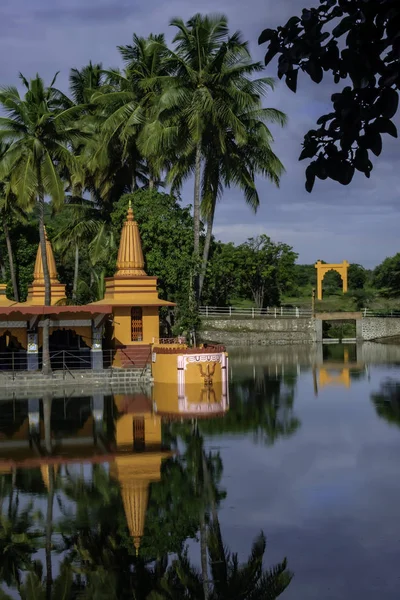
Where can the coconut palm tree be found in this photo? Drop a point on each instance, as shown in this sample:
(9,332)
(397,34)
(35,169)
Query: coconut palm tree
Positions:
(40,131)
(228,163)
(210,94)
(83,225)
(9,208)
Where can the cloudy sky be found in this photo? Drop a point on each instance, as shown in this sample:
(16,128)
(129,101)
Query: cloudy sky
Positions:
(358,223)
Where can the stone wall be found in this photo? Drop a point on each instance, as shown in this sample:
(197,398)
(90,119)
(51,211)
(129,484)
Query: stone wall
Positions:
(374,328)
(258,331)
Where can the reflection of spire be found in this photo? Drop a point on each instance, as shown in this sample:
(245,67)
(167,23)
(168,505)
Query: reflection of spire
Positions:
(135,496)
(135,473)
(130,260)
(45,471)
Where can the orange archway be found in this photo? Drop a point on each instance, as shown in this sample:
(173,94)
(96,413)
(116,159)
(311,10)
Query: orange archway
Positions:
(323,268)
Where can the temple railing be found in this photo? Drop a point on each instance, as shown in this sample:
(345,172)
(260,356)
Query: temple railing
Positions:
(170,341)
(67,361)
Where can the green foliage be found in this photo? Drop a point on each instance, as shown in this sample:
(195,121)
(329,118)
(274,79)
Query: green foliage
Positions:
(259,270)
(386,277)
(266,269)
(367,56)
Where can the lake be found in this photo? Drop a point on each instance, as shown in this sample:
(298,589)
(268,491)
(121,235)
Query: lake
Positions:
(106,496)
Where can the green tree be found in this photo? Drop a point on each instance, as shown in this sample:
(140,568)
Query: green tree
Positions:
(367,57)
(222,281)
(40,132)
(215,102)
(357,277)
(9,209)
(386,276)
(266,270)
(228,162)
(83,224)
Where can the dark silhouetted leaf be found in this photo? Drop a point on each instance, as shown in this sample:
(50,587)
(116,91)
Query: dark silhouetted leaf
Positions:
(385,126)
(345,25)
(310,177)
(266,36)
(291,80)
(389,102)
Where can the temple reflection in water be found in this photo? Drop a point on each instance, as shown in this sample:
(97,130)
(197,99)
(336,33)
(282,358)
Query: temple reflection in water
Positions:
(124,431)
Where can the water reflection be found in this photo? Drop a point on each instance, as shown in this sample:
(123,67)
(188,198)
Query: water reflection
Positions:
(387,401)
(99,496)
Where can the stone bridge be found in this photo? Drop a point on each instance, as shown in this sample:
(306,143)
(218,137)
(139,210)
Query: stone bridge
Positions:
(299,330)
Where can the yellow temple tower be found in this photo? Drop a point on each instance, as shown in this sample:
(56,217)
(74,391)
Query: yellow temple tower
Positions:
(36,291)
(134,298)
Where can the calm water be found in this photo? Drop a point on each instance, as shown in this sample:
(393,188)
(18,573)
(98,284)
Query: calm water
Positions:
(113,498)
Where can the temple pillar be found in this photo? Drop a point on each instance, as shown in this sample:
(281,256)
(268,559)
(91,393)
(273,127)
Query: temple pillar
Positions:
(33,351)
(97,348)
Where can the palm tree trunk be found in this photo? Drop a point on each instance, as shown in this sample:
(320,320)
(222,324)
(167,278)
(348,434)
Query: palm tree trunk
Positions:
(196,200)
(76,273)
(203,556)
(11,261)
(206,249)
(3,270)
(49,531)
(196,218)
(46,365)
(47,401)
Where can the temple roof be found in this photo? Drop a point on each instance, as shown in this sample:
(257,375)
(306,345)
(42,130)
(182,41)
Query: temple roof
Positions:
(130,285)
(21,309)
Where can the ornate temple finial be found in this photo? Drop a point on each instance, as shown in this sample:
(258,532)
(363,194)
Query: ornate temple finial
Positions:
(130,211)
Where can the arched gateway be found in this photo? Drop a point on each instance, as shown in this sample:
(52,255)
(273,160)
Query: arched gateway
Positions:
(323,268)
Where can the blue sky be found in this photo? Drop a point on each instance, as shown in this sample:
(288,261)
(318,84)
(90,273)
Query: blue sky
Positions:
(358,223)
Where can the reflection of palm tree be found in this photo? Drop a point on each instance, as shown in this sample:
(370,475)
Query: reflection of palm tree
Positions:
(17,543)
(227,578)
(387,401)
(247,581)
(260,405)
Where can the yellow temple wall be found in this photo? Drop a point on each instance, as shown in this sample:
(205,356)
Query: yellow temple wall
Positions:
(17,332)
(123,325)
(124,429)
(165,369)
(166,397)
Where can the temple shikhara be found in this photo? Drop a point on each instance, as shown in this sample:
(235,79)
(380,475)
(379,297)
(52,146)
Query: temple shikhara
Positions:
(121,331)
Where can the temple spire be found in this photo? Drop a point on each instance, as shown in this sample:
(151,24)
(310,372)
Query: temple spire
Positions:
(38,275)
(130,260)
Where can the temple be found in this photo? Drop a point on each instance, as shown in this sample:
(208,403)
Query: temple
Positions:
(120,331)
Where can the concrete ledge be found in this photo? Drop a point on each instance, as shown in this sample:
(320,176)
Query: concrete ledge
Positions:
(111,377)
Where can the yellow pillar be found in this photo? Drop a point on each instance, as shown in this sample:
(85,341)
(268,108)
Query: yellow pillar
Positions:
(319,279)
(344,276)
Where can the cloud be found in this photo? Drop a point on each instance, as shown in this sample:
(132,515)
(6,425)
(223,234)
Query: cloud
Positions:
(334,221)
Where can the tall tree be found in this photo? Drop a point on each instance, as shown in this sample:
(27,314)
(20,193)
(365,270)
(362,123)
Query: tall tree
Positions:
(40,131)
(228,163)
(210,98)
(368,58)
(82,226)
(9,208)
